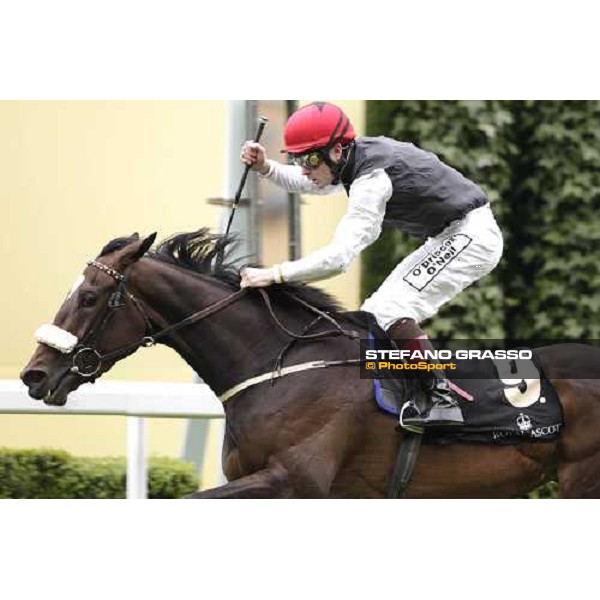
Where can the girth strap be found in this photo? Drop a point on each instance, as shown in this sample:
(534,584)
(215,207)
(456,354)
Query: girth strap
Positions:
(272,375)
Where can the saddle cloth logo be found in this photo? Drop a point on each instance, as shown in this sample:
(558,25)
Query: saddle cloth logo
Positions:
(423,272)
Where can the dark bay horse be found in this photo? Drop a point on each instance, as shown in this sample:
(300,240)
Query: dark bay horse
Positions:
(311,434)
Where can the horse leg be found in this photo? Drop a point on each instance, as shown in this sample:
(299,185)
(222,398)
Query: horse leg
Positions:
(579,451)
(271,482)
(578,458)
(580,479)
(304,469)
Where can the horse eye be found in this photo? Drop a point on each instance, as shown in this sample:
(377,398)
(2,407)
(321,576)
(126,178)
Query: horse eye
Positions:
(88,300)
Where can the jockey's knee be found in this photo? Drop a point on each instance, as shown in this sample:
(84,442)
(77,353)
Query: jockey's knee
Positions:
(388,315)
(405,327)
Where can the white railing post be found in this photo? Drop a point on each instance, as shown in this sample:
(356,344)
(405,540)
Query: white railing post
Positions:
(219,434)
(137,476)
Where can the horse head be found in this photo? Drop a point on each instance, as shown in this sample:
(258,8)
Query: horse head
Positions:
(70,350)
(179,296)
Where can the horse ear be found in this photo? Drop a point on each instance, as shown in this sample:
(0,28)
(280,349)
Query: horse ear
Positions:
(135,236)
(136,250)
(145,246)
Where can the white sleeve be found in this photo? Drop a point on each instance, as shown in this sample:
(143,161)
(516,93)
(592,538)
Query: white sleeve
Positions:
(290,178)
(359,227)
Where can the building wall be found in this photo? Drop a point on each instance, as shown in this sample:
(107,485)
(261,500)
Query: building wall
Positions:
(77,174)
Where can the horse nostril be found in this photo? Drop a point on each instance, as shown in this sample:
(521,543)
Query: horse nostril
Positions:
(33,377)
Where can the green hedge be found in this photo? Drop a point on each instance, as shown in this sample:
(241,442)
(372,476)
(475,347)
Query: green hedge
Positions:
(546,491)
(554,288)
(57,474)
(539,162)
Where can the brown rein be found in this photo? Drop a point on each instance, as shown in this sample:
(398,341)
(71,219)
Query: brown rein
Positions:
(312,336)
(151,340)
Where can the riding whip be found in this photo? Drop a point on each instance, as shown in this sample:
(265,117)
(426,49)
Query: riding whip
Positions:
(262,122)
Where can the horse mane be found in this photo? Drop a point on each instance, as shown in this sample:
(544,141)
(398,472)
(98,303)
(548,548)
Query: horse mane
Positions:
(197,251)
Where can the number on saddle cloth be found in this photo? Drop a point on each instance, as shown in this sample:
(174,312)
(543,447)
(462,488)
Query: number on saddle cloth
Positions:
(521,380)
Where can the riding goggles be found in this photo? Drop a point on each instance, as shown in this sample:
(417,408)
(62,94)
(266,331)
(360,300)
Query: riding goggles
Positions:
(310,160)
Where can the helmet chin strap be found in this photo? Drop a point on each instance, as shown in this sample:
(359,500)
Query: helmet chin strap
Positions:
(337,168)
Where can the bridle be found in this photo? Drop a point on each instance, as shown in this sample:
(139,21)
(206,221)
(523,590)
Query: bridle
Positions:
(87,360)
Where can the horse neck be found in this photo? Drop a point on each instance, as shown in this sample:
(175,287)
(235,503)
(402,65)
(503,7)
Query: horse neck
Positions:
(228,346)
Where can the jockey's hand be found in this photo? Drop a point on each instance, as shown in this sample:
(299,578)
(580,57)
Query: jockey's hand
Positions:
(252,277)
(255,155)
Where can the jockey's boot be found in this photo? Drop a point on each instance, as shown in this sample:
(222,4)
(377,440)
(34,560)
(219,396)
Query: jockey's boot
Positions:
(440,407)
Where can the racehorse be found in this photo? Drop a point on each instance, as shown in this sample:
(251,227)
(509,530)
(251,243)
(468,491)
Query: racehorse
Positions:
(314,433)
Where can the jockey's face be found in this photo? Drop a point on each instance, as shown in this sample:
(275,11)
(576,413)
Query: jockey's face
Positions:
(322,175)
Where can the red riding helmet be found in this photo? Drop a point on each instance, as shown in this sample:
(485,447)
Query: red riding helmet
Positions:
(317,125)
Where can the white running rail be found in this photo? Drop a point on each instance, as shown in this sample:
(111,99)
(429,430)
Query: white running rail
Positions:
(135,400)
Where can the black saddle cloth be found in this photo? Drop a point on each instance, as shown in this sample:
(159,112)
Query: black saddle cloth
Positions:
(504,413)
(510,410)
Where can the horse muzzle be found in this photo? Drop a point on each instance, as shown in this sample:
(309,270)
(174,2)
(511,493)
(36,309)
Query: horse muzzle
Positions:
(48,378)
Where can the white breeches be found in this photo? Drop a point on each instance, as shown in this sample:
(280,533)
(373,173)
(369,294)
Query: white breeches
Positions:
(439,270)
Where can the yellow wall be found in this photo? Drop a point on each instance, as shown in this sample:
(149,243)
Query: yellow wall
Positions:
(77,174)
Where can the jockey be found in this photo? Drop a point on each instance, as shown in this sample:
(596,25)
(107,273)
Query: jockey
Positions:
(399,185)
